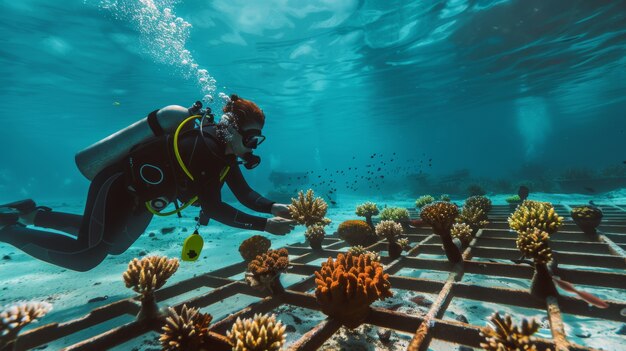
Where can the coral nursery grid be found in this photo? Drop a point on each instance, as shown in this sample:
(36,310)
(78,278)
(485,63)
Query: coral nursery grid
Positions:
(489,254)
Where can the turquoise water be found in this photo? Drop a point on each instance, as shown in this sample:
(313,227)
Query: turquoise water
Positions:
(502,89)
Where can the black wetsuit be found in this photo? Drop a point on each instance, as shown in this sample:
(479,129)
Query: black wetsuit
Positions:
(114,218)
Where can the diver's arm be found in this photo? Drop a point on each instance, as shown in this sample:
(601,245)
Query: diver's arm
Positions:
(211,201)
(248,197)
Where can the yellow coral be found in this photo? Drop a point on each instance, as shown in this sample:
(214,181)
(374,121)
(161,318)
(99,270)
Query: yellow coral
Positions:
(150,273)
(440,215)
(254,246)
(266,267)
(389,229)
(404,243)
(187,330)
(533,243)
(586,212)
(15,317)
(462,232)
(356,232)
(360,250)
(502,335)
(473,216)
(534,214)
(261,333)
(367,209)
(588,218)
(307,210)
(394,214)
(348,285)
(315,232)
(423,201)
(479,201)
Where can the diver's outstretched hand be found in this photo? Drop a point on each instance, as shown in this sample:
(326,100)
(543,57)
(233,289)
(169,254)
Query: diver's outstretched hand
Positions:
(281,210)
(279,225)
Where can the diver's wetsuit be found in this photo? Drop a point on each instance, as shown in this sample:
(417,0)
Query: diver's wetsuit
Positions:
(114,218)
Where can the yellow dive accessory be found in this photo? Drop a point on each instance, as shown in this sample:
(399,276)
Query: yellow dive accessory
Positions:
(192,247)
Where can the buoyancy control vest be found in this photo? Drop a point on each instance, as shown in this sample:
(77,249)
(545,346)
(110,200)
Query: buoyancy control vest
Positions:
(147,148)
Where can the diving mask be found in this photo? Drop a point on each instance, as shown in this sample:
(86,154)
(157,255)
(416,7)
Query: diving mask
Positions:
(252,138)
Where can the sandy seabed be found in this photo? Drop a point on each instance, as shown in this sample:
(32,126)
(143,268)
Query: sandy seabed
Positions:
(25,278)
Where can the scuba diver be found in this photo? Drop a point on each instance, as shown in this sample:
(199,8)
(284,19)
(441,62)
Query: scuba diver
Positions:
(175,154)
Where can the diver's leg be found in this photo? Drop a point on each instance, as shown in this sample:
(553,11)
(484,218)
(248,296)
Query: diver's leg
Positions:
(64,250)
(65,222)
(58,249)
(126,219)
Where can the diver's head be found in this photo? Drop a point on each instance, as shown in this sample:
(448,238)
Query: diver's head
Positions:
(241,127)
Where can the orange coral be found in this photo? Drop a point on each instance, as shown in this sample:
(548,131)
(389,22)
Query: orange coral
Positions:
(356,232)
(265,269)
(347,286)
(254,246)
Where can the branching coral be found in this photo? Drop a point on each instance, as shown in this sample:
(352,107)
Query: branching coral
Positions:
(188,330)
(423,201)
(586,212)
(360,250)
(502,335)
(14,318)
(348,285)
(473,216)
(356,232)
(404,244)
(307,210)
(481,202)
(462,231)
(261,333)
(534,214)
(440,215)
(264,270)
(367,210)
(396,214)
(149,273)
(315,235)
(254,246)
(533,243)
(587,218)
(389,230)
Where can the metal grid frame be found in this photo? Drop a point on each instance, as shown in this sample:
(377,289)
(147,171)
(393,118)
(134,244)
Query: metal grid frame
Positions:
(495,242)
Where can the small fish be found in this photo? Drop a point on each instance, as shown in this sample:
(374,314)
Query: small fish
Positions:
(589,189)
(116,103)
(624,162)
(591,299)
(98,299)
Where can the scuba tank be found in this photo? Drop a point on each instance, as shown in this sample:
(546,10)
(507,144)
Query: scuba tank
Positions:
(116,146)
